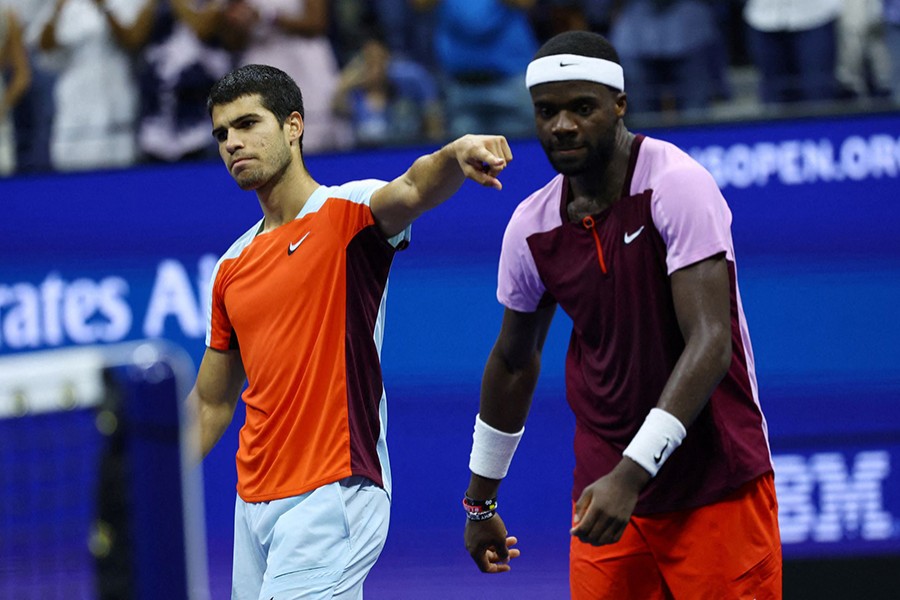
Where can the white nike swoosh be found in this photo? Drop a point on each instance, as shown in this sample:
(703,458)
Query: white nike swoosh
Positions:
(658,457)
(295,245)
(629,237)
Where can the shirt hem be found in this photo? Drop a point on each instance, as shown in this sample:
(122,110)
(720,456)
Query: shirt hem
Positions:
(281,494)
(706,500)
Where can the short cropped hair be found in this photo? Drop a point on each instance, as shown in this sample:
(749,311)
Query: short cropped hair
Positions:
(581,43)
(279,94)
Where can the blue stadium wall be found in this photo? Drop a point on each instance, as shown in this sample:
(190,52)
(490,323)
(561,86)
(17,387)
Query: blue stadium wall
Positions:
(112,256)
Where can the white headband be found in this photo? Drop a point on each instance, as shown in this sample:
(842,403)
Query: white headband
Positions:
(572,67)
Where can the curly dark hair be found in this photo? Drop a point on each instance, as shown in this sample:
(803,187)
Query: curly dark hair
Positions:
(279,94)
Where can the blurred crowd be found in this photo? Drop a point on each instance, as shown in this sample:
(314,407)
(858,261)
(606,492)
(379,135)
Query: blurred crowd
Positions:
(95,84)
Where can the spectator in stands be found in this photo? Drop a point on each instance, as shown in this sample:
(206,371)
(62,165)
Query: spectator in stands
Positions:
(96,93)
(292,35)
(726,16)
(408,32)
(599,14)
(793,44)
(33,115)
(180,63)
(13,59)
(863,60)
(482,48)
(550,17)
(664,48)
(892,37)
(388,99)
(347,27)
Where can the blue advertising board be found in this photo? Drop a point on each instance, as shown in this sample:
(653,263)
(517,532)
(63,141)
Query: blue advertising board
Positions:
(112,256)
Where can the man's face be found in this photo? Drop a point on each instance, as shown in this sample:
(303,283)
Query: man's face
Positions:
(253,144)
(576,124)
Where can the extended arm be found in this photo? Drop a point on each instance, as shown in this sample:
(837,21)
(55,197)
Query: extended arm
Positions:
(433,178)
(205,20)
(510,376)
(314,21)
(15,58)
(701,294)
(48,41)
(353,76)
(131,37)
(214,396)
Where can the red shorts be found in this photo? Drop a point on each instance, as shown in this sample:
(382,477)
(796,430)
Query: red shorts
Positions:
(730,549)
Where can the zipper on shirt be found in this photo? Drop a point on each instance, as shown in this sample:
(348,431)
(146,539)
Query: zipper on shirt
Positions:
(588,223)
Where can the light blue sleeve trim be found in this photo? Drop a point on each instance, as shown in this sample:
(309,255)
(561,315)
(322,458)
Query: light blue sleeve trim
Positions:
(361,191)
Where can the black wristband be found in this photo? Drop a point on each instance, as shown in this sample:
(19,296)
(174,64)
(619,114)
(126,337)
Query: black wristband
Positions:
(479,510)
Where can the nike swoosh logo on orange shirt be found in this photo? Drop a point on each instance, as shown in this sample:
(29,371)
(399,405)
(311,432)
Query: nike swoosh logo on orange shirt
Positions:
(294,245)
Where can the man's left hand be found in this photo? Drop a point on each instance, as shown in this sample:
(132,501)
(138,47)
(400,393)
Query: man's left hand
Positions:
(605,507)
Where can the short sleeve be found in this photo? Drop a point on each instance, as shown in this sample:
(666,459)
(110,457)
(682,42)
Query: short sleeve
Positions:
(360,193)
(519,286)
(219,332)
(691,216)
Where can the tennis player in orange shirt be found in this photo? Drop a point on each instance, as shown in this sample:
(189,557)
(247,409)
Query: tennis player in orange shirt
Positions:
(297,312)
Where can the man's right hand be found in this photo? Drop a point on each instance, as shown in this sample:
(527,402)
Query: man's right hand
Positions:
(482,157)
(489,545)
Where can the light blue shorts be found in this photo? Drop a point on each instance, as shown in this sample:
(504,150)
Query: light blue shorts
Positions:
(318,545)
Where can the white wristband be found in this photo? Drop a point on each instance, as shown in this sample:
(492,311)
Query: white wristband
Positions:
(492,450)
(655,441)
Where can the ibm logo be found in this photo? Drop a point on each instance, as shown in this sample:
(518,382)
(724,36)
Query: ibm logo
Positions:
(821,500)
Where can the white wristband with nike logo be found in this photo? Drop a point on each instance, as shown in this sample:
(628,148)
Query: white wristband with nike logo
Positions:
(655,441)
